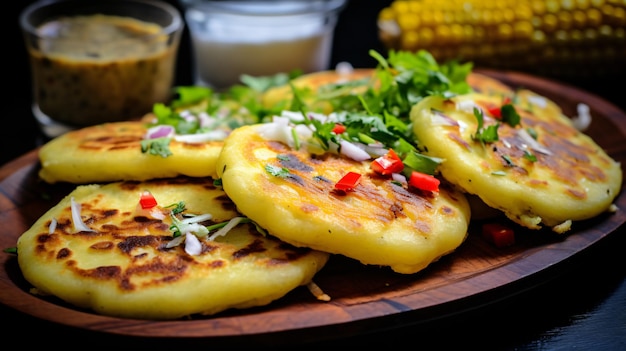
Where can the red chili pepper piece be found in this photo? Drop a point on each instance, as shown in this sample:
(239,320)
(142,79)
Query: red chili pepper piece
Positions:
(147,200)
(339,128)
(498,234)
(496,111)
(387,164)
(424,181)
(348,181)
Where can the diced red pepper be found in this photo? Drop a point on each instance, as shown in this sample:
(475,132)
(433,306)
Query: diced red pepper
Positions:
(387,164)
(424,181)
(339,128)
(348,181)
(498,234)
(147,200)
(496,111)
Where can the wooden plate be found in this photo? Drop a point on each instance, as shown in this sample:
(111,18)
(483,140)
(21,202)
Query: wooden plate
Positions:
(363,298)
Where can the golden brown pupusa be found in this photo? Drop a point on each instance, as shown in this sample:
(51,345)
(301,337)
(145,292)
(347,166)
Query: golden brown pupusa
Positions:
(121,265)
(112,152)
(541,172)
(378,223)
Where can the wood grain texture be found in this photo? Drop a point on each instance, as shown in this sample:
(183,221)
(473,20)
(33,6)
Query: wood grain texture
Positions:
(363,298)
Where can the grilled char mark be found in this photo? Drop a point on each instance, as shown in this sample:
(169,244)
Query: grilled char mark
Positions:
(315,173)
(569,161)
(130,243)
(226,203)
(110,137)
(292,162)
(288,252)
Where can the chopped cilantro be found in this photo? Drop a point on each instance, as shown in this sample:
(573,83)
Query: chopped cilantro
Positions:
(157,146)
(530,157)
(421,163)
(379,115)
(508,160)
(510,115)
(190,95)
(484,135)
(281,172)
(264,83)
(178,207)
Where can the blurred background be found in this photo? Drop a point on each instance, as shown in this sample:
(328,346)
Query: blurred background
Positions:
(577,42)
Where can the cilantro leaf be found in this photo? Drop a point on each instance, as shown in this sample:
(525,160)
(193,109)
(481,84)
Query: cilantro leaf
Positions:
(421,163)
(157,146)
(276,171)
(484,135)
(510,115)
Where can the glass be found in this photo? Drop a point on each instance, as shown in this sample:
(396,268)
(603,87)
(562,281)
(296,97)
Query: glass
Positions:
(99,61)
(259,38)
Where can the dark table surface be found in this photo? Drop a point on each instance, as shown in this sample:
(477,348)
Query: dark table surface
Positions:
(582,306)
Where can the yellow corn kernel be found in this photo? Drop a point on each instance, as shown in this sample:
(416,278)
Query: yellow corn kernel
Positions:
(562,36)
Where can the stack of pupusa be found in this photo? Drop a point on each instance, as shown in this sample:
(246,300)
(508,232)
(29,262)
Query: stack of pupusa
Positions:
(100,249)
(379,223)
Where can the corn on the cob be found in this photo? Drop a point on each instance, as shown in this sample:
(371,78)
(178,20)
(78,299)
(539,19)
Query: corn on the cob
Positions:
(570,38)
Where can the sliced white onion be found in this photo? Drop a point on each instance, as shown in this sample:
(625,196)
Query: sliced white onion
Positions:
(191,225)
(53,226)
(318,117)
(441,119)
(344,68)
(375,149)
(156,213)
(295,116)
(213,135)
(79,225)
(467,106)
(205,120)
(538,101)
(336,117)
(192,245)
(303,131)
(399,177)
(198,218)
(188,116)
(175,242)
(352,151)
(197,229)
(225,229)
(583,119)
(532,143)
(281,120)
(271,130)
